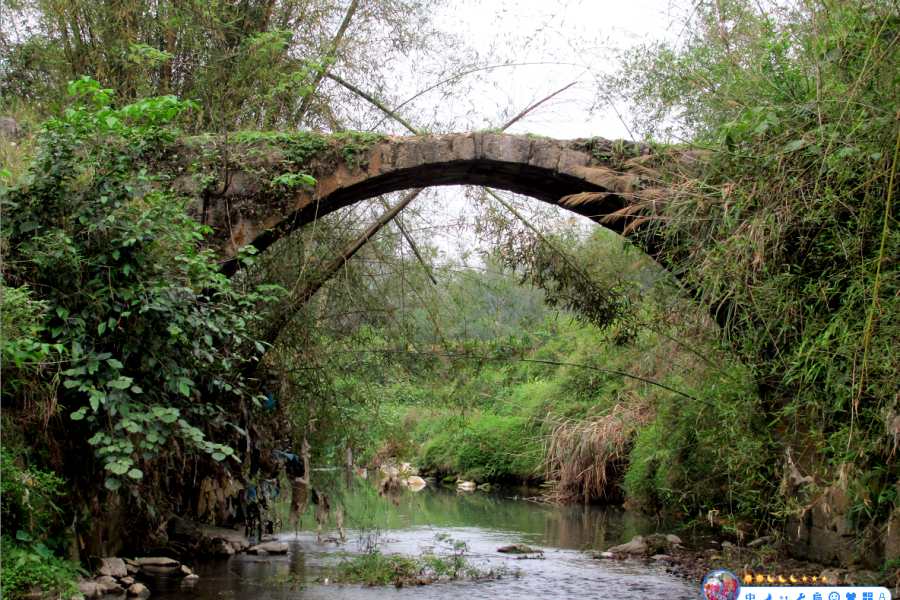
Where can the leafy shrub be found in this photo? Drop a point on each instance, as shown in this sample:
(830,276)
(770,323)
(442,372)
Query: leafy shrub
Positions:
(24,569)
(787,232)
(149,326)
(29,514)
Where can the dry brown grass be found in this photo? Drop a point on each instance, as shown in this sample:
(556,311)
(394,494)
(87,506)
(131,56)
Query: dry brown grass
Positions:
(588,458)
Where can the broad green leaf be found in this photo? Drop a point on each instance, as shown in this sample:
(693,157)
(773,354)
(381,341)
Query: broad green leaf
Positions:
(135,473)
(41,550)
(121,383)
(112,483)
(23,536)
(117,467)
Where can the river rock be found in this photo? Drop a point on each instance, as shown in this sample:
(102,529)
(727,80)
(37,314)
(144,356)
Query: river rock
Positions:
(763,541)
(673,539)
(831,576)
(113,567)
(413,480)
(518,549)
(656,543)
(862,577)
(91,589)
(221,548)
(604,555)
(660,557)
(186,570)
(9,128)
(110,585)
(270,548)
(465,485)
(158,561)
(38,593)
(637,545)
(138,590)
(132,570)
(127,581)
(207,539)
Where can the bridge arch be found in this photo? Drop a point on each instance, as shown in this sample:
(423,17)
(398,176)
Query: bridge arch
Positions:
(247,211)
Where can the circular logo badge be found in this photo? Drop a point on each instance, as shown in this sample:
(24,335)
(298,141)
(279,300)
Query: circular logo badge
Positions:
(721,585)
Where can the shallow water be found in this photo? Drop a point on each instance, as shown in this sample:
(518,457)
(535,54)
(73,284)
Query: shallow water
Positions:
(484,520)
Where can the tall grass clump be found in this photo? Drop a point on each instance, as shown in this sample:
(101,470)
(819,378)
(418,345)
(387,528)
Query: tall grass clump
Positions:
(787,233)
(588,458)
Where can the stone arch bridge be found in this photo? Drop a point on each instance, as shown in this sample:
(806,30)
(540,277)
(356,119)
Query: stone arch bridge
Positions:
(242,194)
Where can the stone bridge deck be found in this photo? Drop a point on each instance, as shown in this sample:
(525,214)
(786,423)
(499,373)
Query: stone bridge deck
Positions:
(238,199)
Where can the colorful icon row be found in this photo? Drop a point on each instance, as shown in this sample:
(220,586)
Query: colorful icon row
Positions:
(834,595)
(760,578)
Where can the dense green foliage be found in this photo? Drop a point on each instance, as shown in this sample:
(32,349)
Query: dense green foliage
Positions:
(790,234)
(145,328)
(258,64)
(778,381)
(29,512)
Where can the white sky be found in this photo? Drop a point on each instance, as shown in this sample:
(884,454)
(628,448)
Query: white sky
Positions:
(580,37)
(562,42)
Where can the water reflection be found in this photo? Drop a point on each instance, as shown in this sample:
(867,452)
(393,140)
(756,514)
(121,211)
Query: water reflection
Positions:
(485,520)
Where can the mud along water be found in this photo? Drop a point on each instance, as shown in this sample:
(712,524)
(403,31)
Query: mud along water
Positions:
(408,524)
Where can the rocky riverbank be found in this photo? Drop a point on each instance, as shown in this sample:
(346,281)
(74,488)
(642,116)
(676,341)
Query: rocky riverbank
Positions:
(115,576)
(764,561)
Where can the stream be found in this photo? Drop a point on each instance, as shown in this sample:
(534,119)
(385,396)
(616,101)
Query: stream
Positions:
(408,524)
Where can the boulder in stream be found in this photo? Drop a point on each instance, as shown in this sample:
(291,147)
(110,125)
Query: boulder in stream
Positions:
(208,539)
(113,567)
(519,549)
(656,543)
(637,545)
(270,548)
(158,561)
(138,590)
(90,589)
(110,585)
